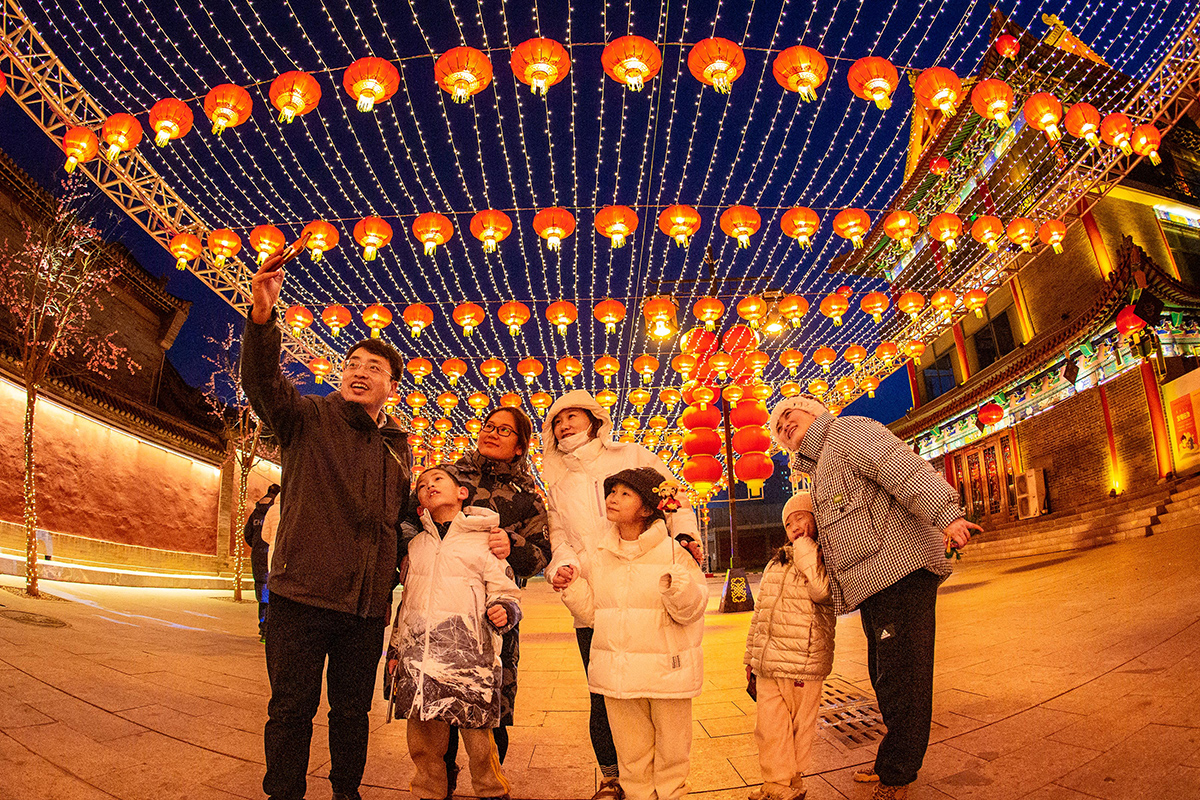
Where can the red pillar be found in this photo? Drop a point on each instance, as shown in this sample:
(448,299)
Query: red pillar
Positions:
(912,385)
(1112,441)
(1158,422)
(960,346)
(1103,260)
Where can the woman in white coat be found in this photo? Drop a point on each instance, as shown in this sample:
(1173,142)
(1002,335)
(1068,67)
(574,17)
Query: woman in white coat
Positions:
(578,454)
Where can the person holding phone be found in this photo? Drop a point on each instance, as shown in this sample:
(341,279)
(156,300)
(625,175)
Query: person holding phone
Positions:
(346,472)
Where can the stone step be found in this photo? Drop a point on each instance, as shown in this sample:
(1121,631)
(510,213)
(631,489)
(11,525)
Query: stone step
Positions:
(114,576)
(1048,524)
(1168,523)
(1077,532)
(1055,544)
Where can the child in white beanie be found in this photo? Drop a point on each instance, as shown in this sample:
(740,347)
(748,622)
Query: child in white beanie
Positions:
(790,647)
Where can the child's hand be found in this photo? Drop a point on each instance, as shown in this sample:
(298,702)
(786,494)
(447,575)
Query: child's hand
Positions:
(498,616)
(499,544)
(693,547)
(563,577)
(808,526)
(749,673)
(394,662)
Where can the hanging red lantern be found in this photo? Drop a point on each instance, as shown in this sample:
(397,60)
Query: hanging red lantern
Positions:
(631,60)
(468,315)
(1022,231)
(792,359)
(790,389)
(493,369)
(610,312)
(855,355)
(185,247)
(702,473)
(607,398)
(901,226)
(170,119)
(616,223)
(914,349)
(266,240)
(561,314)
(418,317)
(939,89)
(554,225)
(607,367)
(432,229)
(685,364)
(321,368)
(739,339)
(845,386)
(757,361)
(886,351)
(490,227)
(1043,112)
(753,469)
(669,397)
(708,310)
(800,223)
(294,94)
(660,316)
(944,301)
(793,308)
(372,233)
(224,245)
(478,401)
(717,63)
(121,133)
(699,342)
(322,237)
(336,317)
(462,72)
(802,70)
(80,145)
(541,401)
(454,368)
(1008,46)
(645,366)
(297,318)
(873,78)
(818,387)
(752,309)
(569,368)
(376,317)
(852,224)
(1129,323)
(371,81)
(975,300)
(1053,232)
(990,413)
(911,303)
(1145,141)
(227,106)
(1083,122)
(751,439)
(946,228)
(540,63)
(825,357)
(740,222)
(514,314)
(1116,130)
(993,99)
(987,230)
(939,165)
(834,306)
(529,369)
(419,368)
(875,304)
(720,363)
(869,384)
(679,222)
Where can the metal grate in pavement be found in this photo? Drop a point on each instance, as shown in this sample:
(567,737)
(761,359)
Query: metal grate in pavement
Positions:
(848,716)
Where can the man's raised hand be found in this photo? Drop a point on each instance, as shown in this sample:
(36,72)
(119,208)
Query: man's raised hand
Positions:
(268,280)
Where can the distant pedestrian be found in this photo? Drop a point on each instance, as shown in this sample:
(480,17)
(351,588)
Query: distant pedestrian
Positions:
(260,548)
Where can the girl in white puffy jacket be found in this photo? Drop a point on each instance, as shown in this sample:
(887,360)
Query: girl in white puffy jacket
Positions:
(789,653)
(645,596)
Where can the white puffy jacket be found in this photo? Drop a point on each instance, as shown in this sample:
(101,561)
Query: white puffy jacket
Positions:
(648,611)
(575,484)
(791,632)
(448,650)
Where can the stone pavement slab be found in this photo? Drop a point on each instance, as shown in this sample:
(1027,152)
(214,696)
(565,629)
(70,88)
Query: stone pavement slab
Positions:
(1057,678)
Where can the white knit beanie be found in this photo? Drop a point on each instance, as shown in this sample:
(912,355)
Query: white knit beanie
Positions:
(801,402)
(800,501)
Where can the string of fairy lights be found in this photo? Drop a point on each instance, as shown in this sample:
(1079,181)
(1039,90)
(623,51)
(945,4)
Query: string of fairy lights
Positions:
(585,143)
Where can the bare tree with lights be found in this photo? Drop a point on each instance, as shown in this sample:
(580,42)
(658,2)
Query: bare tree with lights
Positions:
(243,431)
(52,283)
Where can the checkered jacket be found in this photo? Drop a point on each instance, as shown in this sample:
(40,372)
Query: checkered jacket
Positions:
(880,508)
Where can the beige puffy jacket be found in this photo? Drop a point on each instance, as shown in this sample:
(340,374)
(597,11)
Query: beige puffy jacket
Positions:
(791,633)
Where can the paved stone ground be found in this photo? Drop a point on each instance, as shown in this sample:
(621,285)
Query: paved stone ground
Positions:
(1067,676)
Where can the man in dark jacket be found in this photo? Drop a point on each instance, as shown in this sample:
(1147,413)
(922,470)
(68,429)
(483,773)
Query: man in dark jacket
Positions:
(260,550)
(346,470)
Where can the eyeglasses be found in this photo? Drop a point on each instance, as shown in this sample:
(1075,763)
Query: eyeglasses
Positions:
(374,369)
(503,431)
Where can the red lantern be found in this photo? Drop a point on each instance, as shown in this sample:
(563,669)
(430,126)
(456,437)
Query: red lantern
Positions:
(372,233)
(660,316)
(322,237)
(699,342)
(561,314)
(478,401)
(800,223)
(944,300)
(855,355)
(990,413)
(1021,231)
(852,224)
(740,222)
(185,247)
(708,310)
(224,244)
(616,223)
(1054,233)
(702,442)
(454,368)
(371,81)
(914,349)
(321,368)
(1129,323)
(541,401)
(946,228)
(462,72)
(721,363)
(685,365)
(297,318)
(418,317)
(818,387)
(939,165)
(121,133)
(1083,122)
(530,369)
(702,472)
(753,469)
(793,308)
(645,366)
(514,314)
(227,106)
(490,227)
(432,229)
(825,357)
(607,367)
(987,230)
(170,119)
(569,368)
(1145,141)
(939,89)
(792,359)
(679,222)
(993,99)
(875,304)
(294,94)
(266,240)
(739,339)
(800,69)
(873,78)
(540,63)
(336,317)
(886,351)
(493,369)
(610,312)
(752,309)
(717,63)
(1043,112)
(469,316)
(901,226)
(975,300)
(669,397)
(419,368)
(790,389)
(80,145)
(757,361)
(748,412)
(751,439)
(845,386)
(631,60)
(701,415)
(1116,130)
(1008,46)
(834,306)
(376,317)
(911,303)
(554,225)
(869,384)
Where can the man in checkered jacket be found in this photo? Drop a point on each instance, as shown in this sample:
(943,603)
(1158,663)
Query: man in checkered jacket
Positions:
(885,520)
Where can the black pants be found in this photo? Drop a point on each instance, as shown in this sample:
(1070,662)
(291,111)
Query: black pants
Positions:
(899,624)
(299,639)
(602,741)
(260,594)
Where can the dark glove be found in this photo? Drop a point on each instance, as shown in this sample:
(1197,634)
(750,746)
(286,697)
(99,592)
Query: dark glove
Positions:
(752,688)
